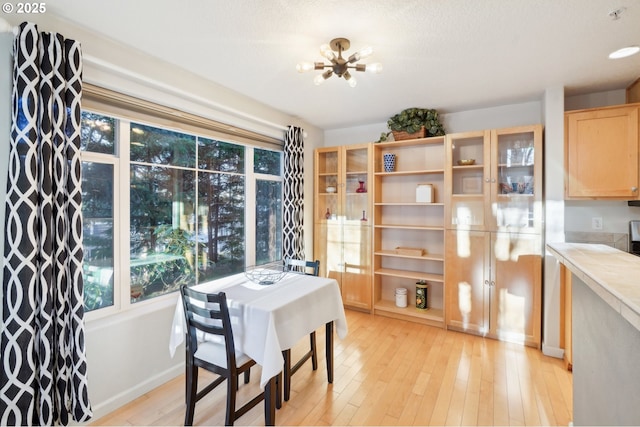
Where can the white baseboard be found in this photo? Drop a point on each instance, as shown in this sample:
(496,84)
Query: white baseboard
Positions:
(556,352)
(100,409)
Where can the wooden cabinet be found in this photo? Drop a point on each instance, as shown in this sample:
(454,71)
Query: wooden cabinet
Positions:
(601,153)
(342,229)
(493,183)
(468,254)
(494,284)
(502,188)
(408,243)
(566,341)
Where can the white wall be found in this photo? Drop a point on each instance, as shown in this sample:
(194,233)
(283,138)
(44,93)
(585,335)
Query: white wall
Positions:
(554,217)
(527,113)
(128,353)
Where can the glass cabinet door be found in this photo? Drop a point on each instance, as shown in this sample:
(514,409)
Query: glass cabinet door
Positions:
(327,183)
(470,169)
(357,182)
(517,186)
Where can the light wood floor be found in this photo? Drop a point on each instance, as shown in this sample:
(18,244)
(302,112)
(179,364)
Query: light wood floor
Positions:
(392,372)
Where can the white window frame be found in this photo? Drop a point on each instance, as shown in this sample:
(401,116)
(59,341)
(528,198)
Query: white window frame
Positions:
(121,221)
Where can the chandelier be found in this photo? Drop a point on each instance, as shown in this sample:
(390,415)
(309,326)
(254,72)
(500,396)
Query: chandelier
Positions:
(339,65)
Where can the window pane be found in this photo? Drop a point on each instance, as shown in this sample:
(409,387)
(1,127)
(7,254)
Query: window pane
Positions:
(97,133)
(221,225)
(220,156)
(161,146)
(265,161)
(268,221)
(162,230)
(97,211)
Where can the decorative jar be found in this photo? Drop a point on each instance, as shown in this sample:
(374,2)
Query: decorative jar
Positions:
(389,160)
(401,297)
(421,295)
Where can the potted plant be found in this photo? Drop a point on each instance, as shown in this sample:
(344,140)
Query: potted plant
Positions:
(415,123)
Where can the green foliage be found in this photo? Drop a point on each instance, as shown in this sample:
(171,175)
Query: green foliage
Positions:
(97,295)
(97,133)
(412,119)
(175,240)
(267,162)
(161,146)
(384,137)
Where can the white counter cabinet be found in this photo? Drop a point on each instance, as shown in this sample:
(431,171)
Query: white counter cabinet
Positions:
(605,332)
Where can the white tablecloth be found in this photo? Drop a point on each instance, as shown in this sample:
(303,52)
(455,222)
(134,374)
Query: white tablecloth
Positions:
(269,319)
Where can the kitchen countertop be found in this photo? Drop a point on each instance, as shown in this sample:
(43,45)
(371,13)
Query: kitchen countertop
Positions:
(612,274)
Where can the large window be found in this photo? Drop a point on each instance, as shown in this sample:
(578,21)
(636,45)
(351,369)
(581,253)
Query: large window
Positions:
(98,136)
(268,206)
(187,202)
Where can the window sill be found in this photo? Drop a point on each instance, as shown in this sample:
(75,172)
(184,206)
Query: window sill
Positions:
(97,320)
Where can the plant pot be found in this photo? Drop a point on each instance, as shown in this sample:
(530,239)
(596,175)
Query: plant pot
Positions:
(401,135)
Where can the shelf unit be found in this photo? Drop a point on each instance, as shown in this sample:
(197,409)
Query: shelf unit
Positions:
(342,242)
(400,221)
(493,211)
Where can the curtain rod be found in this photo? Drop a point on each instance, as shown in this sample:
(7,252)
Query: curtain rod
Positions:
(184,94)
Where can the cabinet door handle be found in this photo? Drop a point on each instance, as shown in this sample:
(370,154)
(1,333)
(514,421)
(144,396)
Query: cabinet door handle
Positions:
(493,283)
(486,180)
(634,189)
(486,282)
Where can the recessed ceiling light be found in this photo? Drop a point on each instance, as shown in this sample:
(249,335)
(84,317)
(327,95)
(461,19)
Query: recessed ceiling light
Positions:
(624,52)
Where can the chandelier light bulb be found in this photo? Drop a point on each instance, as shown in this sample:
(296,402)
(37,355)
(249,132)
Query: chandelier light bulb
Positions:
(375,68)
(365,52)
(325,50)
(350,79)
(318,80)
(304,66)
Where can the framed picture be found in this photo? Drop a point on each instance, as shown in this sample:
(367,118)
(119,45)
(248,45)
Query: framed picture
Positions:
(471,185)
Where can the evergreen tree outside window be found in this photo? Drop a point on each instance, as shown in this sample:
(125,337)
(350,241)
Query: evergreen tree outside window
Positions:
(97,212)
(221,209)
(268,205)
(98,145)
(186,211)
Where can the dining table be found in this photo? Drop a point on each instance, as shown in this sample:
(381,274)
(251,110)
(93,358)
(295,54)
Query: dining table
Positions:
(267,319)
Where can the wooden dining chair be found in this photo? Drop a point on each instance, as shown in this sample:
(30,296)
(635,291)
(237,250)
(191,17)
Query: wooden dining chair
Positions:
(211,316)
(311,268)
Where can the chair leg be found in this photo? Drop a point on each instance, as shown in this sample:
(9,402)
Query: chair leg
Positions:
(232,389)
(190,394)
(247,376)
(286,354)
(314,353)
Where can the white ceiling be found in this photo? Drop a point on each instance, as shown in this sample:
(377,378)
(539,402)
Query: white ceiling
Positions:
(451,55)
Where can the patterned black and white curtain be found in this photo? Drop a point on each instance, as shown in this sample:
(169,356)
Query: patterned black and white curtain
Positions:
(293,206)
(43,379)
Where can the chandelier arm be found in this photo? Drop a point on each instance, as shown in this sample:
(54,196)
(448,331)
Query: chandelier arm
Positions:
(357,67)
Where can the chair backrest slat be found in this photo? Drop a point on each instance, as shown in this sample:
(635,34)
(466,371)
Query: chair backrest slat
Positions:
(303,266)
(213,318)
